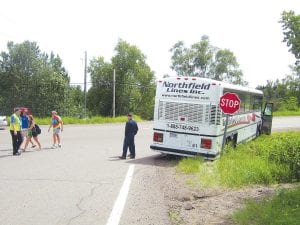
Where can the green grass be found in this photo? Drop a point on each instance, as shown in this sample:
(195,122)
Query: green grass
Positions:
(90,120)
(175,217)
(283,208)
(266,160)
(189,165)
(287,113)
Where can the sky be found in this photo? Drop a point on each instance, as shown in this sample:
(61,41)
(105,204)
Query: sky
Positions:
(248,28)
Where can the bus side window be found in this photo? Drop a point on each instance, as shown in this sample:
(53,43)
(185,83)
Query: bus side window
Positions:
(257,103)
(243,102)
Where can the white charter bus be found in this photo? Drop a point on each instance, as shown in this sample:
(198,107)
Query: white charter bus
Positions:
(188,120)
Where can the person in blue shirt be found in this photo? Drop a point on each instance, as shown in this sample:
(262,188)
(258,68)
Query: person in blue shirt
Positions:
(24,127)
(131,130)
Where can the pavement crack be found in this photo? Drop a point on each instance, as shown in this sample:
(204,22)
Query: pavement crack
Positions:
(79,206)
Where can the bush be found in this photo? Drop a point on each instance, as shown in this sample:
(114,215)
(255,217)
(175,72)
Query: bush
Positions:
(281,149)
(266,160)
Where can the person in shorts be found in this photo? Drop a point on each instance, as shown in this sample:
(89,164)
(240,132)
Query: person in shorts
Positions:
(57,125)
(32,133)
(24,126)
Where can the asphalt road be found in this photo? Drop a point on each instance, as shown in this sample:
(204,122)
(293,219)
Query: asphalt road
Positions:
(80,183)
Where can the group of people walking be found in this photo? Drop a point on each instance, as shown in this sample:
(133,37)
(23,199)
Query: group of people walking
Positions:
(23,129)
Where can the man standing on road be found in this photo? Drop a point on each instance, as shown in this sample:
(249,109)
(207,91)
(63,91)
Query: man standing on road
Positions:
(131,130)
(15,131)
(57,124)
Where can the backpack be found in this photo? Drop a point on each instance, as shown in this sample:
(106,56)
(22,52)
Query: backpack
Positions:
(38,129)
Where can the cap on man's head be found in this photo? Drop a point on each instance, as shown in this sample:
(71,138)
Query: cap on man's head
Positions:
(54,112)
(16,109)
(129,114)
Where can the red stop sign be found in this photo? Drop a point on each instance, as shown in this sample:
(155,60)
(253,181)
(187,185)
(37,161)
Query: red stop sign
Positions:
(230,103)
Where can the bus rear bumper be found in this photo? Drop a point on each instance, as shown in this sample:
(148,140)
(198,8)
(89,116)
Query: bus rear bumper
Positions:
(183,152)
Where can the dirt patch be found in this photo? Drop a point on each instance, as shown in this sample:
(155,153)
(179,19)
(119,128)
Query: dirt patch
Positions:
(194,206)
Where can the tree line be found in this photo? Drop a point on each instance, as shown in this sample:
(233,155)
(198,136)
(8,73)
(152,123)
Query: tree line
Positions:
(285,93)
(37,80)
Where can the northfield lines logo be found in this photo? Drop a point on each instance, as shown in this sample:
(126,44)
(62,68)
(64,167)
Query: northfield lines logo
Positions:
(186,88)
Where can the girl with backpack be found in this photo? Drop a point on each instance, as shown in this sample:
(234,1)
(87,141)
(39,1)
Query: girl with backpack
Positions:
(32,133)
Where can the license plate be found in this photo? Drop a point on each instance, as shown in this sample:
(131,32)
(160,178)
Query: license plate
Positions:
(173,135)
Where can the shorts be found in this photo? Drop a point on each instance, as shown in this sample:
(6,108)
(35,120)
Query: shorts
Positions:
(25,132)
(56,130)
(32,133)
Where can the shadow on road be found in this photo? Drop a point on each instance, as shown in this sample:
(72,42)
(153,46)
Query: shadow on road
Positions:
(5,156)
(5,150)
(157,160)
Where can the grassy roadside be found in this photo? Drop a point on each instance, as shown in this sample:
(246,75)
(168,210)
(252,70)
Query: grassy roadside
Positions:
(287,113)
(266,160)
(90,120)
(283,208)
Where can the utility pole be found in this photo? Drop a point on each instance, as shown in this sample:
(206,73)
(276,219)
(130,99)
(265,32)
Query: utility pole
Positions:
(85,75)
(114,93)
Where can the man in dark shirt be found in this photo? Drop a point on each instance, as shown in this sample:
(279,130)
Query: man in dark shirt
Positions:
(131,130)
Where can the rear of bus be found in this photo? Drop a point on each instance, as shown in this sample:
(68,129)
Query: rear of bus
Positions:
(187,117)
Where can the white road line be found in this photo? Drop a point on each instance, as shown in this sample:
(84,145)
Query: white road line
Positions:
(116,213)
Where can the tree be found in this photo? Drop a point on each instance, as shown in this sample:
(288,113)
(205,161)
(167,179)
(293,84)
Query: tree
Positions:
(291,31)
(284,93)
(135,88)
(33,79)
(205,60)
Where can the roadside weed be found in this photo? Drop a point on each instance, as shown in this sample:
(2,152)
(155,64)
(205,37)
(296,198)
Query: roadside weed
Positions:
(283,208)
(190,165)
(266,160)
(89,120)
(175,217)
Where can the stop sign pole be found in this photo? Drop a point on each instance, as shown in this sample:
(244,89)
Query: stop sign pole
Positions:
(229,104)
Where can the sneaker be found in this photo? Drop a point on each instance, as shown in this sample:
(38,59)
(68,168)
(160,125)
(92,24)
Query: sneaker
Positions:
(33,146)
(53,146)
(16,154)
(122,157)
(131,156)
(59,145)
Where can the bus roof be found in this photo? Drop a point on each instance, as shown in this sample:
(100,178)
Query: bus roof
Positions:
(214,82)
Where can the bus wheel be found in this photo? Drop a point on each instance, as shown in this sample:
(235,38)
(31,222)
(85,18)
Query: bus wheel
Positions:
(231,141)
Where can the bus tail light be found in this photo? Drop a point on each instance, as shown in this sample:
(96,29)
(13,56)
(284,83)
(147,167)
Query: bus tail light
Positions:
(158,137)
(206,143)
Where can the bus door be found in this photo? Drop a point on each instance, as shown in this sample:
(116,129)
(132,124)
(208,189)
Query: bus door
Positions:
(267,118)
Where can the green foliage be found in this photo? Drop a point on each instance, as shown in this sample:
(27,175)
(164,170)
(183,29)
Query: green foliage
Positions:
(291,103)
(90,120)
(245,168)
(266,160)
(33,79)
(287,113)
(205,60)
(283,208)
(285,93)
(291,27)
(175,217)
(135,87)
(189,165)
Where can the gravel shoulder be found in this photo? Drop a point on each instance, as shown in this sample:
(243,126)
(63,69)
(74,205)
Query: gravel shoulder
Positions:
(194,206)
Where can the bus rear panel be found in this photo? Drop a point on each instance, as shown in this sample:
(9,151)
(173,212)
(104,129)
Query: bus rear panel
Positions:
(189,122)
